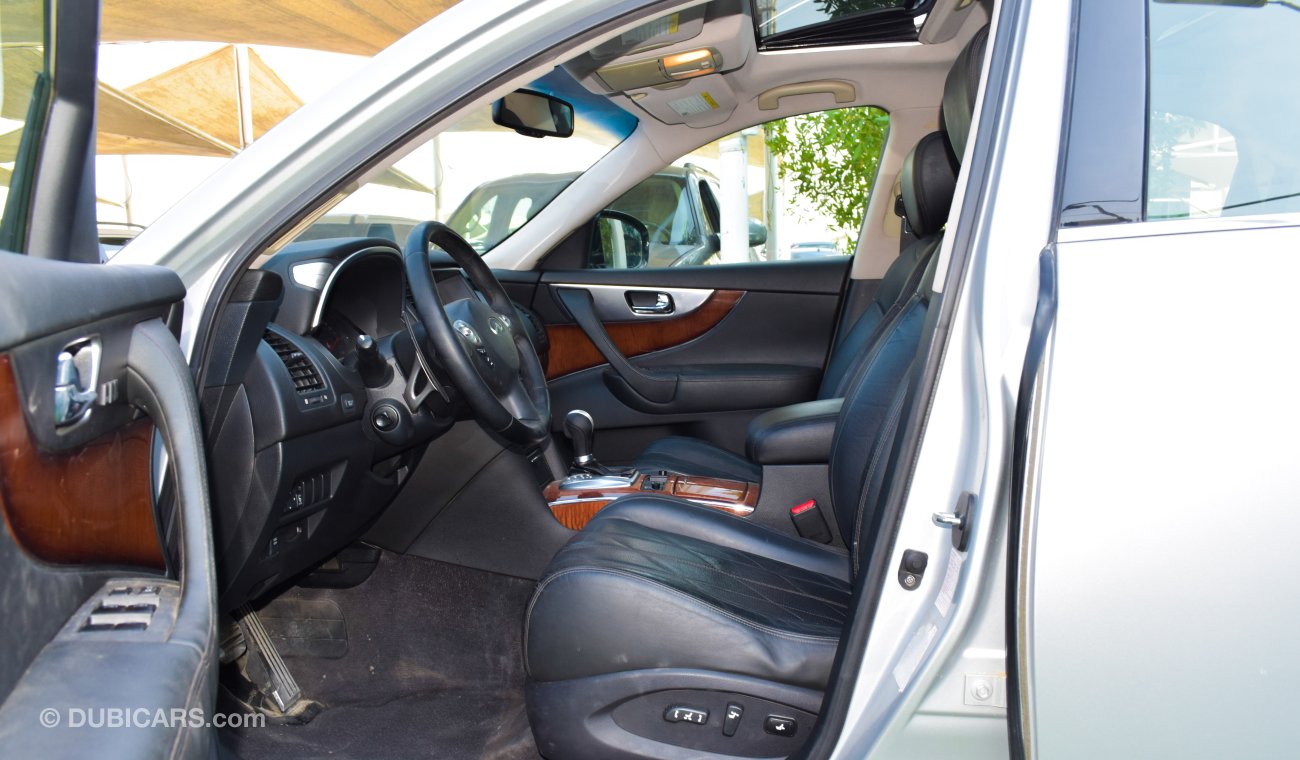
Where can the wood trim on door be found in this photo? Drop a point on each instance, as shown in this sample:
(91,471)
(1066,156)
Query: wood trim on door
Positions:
(571,350)
(92,505)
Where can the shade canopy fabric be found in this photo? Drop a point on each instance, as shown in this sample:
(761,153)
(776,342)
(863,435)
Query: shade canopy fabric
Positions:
(190,110)
(204,93)
(341,26)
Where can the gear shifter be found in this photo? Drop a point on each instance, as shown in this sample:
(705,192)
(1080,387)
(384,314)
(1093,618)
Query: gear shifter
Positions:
(586,473)
(581,430)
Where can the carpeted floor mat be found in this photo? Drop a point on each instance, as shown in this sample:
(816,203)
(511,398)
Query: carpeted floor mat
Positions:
(433,668)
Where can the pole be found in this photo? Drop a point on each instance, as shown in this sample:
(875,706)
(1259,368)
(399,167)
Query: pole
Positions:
(244,95)
(734,200)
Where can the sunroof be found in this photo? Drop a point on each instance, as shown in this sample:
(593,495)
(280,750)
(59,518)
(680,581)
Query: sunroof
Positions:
(808,23)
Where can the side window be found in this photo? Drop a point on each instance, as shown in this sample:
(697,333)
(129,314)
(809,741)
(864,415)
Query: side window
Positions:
(789,189)
(22,108)
(1224,102)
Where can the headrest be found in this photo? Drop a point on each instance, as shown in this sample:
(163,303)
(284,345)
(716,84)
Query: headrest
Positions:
(960,89)
(928,181)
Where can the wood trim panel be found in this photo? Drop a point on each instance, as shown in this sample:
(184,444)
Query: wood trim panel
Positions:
(88,506)
(576,515)
(575,508)
(571,349)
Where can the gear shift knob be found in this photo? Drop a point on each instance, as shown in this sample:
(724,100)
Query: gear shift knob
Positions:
(581,430)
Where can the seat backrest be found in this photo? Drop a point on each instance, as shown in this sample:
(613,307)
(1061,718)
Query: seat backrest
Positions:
(929,177)
(870,415)
(876,391)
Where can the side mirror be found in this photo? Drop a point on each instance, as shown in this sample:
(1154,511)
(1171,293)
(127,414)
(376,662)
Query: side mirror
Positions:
(757,233)
(534,114)
(618,241)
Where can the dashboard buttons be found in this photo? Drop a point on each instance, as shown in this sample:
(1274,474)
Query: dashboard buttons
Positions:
(683,714)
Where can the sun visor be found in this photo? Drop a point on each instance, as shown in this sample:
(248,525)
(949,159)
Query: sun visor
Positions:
(699,102)
(665,30)
(723,44)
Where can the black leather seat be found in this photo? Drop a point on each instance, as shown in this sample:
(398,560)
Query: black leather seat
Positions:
(929,177)
(662,616)
(660,591)
(674,584)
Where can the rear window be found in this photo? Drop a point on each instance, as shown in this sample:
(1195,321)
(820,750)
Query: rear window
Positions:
(1225,102)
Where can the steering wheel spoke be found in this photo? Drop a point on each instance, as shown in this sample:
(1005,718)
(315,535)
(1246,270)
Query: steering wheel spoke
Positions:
(494,367)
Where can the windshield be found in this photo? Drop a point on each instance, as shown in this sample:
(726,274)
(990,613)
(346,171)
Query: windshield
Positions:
(483,180)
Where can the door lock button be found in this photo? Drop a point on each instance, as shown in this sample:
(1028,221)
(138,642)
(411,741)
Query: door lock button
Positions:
(684,714)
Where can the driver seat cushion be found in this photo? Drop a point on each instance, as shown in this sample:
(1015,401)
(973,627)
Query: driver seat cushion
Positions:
(657,582)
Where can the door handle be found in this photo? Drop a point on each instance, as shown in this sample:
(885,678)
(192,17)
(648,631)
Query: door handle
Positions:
(76,381)
(650,302)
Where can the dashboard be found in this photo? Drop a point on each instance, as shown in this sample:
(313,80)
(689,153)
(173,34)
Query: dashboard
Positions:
(319,436)
(294,419)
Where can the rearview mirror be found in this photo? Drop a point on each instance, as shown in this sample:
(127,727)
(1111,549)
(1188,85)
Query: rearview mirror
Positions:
(534,114)
(619,241)
(757,233)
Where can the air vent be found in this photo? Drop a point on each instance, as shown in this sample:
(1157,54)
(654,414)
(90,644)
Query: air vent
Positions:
(306,378)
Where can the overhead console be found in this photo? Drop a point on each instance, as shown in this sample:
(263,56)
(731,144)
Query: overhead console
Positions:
(672,67)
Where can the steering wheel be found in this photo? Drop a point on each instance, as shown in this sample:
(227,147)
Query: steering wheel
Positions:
(483,346)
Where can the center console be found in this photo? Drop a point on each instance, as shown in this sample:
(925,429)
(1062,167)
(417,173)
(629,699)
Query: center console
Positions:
(577,498)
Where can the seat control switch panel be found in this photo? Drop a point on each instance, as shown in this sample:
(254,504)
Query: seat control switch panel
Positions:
(683,714)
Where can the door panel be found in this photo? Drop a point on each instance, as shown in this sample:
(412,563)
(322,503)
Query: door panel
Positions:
(88,505)
(572,350)
(94,622)
(1168,439)
(758,339)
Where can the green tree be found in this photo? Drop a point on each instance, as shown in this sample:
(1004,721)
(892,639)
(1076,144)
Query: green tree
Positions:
(830,158)
(841,8)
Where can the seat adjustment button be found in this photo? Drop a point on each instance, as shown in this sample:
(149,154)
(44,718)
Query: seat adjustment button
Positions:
(731,718)
(780,726)
(683,714)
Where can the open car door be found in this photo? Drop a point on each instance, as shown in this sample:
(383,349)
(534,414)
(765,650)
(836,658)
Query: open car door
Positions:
(106,573)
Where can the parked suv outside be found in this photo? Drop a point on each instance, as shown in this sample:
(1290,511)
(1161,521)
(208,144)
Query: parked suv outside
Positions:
(678,206)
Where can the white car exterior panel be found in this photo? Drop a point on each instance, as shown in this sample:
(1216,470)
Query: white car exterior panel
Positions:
(1162,612)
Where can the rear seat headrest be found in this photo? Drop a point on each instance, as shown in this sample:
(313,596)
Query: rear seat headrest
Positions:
(928,181)
(960,89)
